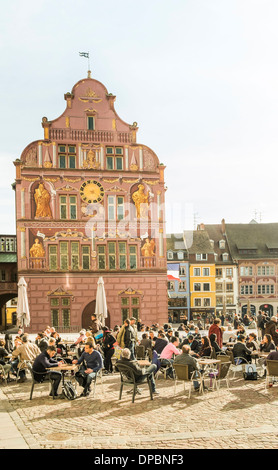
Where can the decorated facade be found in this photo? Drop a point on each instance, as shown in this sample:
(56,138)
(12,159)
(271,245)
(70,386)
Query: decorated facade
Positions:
(90,203)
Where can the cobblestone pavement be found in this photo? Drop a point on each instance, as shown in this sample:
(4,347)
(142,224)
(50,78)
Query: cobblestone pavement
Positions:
(243,417)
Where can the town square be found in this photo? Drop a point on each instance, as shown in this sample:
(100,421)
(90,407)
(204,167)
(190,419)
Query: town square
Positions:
(139,229)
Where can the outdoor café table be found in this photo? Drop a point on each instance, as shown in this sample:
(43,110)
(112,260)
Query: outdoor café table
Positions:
(144,363)
(207,362)
(63,368)
(66,344)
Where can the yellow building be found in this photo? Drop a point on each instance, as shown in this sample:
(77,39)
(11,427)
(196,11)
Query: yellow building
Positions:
(201,275)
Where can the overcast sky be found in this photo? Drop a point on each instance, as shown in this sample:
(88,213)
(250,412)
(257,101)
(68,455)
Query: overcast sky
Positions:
(200,77)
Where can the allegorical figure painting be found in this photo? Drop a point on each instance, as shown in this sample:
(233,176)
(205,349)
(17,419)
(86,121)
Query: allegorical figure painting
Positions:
(42,200)
(141,201)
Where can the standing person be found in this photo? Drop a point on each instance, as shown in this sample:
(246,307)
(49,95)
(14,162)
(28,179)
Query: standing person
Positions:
(259,325)
(215,328)
(129,338)
(42,363)
(8,342)
(108,349)
(270,329)
(90,362)
(96,325)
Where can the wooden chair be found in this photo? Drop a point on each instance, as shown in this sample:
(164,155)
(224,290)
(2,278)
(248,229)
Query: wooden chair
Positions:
(271,371)
(128,378)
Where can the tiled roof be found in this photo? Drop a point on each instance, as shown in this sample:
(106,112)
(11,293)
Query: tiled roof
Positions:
(8,258)
(260,239)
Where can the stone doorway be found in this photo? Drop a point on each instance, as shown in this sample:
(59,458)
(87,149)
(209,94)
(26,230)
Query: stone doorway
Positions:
(86,315)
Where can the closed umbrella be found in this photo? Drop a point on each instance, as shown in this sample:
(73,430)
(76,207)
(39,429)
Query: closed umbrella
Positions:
(101,305)
(23,314)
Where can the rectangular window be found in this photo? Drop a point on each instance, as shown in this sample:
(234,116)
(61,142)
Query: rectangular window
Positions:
(91,123)
(198,302)
(62,161)
(219,301)
(119,163)
(66,317)
(64,260)
(246,271)
(197,287)
(229,287)
(206,287)
(3,275)
(229,272)
(206,272)
(72,207)
(85,257)
(52,254)
(55,317)
(132,257)
(122,255)
(218,287)
(197,271)
(101,257)
(63,207)
(111,207)
(72,161)
(206,302)
(74,256)
(112,255)
(120,207)
(218,272)
(110,163)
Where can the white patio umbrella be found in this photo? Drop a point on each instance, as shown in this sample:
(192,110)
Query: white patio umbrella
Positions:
(23,314)
(101,305)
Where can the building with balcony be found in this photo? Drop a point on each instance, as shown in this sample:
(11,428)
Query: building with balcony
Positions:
(8,279)
(90,203)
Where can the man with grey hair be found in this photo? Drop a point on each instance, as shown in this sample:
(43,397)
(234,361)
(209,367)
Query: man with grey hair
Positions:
(140,373)
(187,359)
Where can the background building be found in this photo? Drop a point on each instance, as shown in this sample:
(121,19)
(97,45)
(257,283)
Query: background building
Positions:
(8,279)
(178,279)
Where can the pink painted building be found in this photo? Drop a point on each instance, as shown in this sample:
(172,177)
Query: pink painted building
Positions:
(90,203)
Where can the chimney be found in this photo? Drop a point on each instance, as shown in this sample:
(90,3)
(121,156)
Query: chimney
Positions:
(223,226)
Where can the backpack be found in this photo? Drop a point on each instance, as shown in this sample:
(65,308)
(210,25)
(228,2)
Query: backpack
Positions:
(69,391)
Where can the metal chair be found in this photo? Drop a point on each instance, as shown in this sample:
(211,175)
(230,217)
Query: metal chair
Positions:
(223,370)
(128,378)
(4,374)
(271,371)
(238,363)
(182,374)
(45,378)
(98,375)
(23,365)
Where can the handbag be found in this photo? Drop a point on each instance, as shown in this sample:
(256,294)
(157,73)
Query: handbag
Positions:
(250,373)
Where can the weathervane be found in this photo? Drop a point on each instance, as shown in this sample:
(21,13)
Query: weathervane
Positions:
(87,56)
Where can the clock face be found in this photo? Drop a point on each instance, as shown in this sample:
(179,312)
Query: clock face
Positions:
(91,191)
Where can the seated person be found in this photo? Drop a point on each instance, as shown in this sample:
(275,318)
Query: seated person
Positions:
(194,344)
(240,349)
(91,362)
(42,341)
(252,343)
(146,341)
(267,345)
(42,363)
(273,355)
(140,373)
(166,357)
(215,345)
(27,351)
(186,358)
(196,334)
(205,350)
(160,343)
(3,354)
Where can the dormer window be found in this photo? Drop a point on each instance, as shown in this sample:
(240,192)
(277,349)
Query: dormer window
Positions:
(225,256)
(180,255)
(170,255)
(222,244)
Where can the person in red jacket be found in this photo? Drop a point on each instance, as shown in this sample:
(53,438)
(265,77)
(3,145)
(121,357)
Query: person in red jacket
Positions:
(216,329)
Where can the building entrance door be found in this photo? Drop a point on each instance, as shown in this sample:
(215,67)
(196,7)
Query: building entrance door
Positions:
(86,320)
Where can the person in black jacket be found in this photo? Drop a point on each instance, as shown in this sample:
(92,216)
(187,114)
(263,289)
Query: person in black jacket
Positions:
(215,345)
(240,349)
(42,363)
(160,342)
(129,338)
(108,349)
